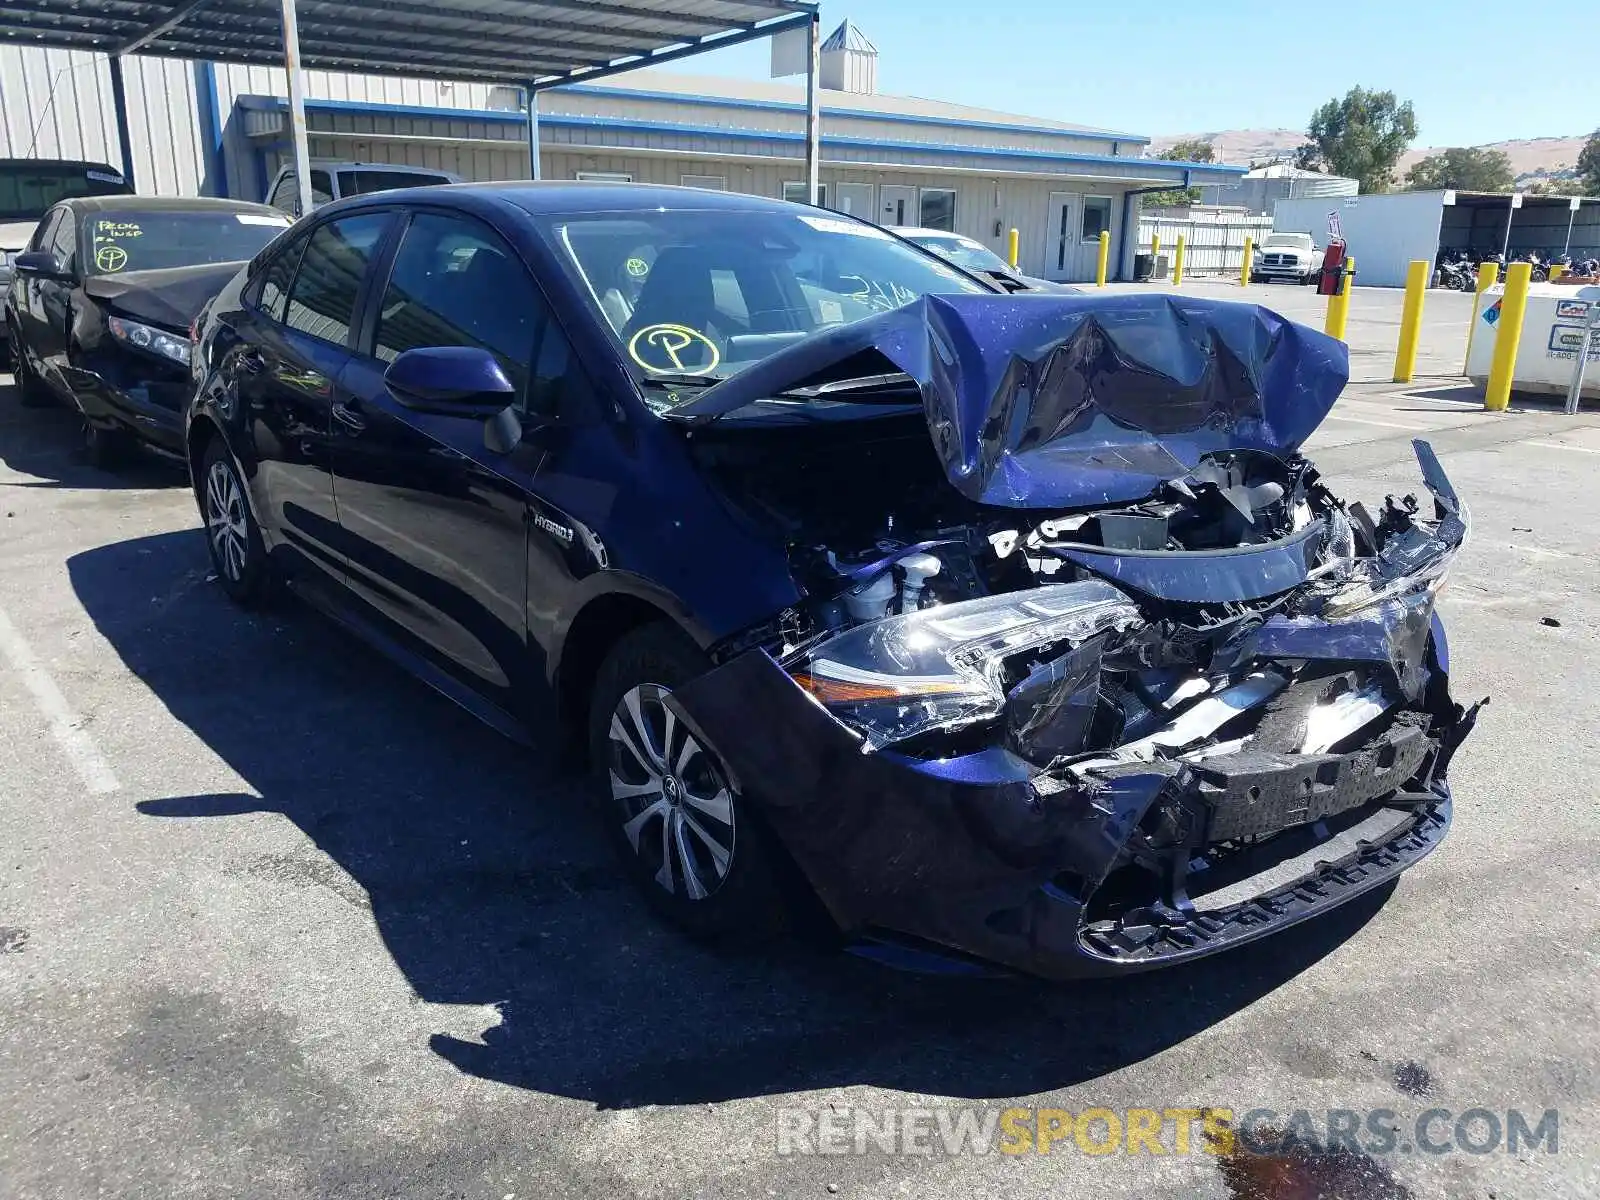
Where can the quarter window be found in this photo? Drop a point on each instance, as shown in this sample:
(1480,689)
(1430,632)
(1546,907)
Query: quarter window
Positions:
(938,209)
(323,299)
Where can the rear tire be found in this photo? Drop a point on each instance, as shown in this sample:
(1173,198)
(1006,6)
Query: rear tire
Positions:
(688,839)
(232,535)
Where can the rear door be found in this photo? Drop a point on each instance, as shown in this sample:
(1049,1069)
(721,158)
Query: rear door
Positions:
(435,523)
(296,337)
(53,308)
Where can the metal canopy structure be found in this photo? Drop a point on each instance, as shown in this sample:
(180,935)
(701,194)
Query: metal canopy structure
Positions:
(533,44)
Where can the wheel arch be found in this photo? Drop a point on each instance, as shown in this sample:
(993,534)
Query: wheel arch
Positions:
(593,631)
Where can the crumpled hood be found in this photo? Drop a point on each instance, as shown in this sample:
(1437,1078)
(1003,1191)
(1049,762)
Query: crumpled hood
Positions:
(171,297)
(1049,400)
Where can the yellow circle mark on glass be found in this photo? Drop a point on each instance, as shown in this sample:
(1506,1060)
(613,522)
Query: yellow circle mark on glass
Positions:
(673,348)
(111,258)
(637,267)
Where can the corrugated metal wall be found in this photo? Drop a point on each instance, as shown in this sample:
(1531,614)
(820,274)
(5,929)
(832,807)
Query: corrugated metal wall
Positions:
(57,104)
(1211,246)
(1384,233)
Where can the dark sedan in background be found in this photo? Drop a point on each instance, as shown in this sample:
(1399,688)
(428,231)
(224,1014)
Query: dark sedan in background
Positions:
(1012,628)
(101,302)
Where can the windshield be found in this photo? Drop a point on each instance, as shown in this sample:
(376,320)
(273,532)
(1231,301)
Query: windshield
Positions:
(146,241)
(964,252)
(1296,241)
(27,189)
(705,294)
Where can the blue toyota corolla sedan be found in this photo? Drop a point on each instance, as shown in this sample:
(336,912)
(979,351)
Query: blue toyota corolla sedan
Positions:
(1014,629)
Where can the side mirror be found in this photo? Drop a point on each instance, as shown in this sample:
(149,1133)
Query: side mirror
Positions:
(450,381)
(42,263)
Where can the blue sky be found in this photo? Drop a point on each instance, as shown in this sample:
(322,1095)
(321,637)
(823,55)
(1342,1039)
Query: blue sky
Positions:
(1476,72)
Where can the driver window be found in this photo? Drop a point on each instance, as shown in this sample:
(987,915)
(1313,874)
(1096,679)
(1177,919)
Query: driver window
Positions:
(456,283)
(64,242)
(47,230)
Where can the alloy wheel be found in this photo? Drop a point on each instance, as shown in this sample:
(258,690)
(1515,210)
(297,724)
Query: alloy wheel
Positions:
(225,521)
(677,807)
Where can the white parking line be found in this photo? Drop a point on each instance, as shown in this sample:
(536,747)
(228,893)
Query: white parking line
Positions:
(1335,416)
(1564,446)
(65,725)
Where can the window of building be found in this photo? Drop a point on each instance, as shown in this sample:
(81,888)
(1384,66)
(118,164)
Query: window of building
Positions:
(322,301)
(604,176)
(1096,217)
(795,193)
(712,183)
(937,209)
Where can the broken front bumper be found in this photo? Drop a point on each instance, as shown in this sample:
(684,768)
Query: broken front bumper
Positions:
(986,856)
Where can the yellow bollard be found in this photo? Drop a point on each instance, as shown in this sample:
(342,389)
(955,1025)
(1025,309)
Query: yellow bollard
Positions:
(1405,355)
(1155,255)
(1556,271)
(1105,258)
(1488,276)
(1508,337)
(1339,304)
(1249,253)
(1011,248)
(1177,264)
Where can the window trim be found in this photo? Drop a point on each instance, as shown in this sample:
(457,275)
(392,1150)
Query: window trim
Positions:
(922,211)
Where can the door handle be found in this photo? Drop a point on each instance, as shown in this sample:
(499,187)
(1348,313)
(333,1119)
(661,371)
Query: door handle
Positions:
(349,416)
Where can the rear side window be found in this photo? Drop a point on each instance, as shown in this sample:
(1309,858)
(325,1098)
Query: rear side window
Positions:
(359,183)
(271,291)
(322,300)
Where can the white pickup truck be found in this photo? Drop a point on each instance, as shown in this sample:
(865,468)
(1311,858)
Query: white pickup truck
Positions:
(1286,256)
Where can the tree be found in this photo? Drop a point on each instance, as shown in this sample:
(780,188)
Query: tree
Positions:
(1589,165)
(1462,168)
(1188,150)
(1360,137)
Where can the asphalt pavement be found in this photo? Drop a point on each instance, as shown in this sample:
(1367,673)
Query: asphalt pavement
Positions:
(276,921)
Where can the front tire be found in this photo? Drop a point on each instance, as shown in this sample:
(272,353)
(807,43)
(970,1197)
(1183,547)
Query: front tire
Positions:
(31,390)
(686,836)
(232,535)
(105,447)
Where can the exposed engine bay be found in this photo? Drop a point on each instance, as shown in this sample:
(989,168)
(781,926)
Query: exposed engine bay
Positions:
(1084,617)
(1097,645)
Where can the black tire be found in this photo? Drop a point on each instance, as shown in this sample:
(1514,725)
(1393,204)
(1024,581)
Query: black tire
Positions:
(237,551)
(31,390)
(106,447)
(746,904)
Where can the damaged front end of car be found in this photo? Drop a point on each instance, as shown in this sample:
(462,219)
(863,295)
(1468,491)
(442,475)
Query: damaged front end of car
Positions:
(1160,694)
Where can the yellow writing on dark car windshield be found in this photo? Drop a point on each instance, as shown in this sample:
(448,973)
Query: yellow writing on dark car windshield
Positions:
(110,259)
(674,348)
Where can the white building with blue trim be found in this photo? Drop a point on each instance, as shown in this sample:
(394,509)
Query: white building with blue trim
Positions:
(898,160)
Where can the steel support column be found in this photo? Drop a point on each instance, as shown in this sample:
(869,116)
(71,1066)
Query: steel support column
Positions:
(297,105)
(813,111)
(119,103)
(534,170)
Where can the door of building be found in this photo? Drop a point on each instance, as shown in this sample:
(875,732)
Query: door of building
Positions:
(1061,237)
(897,204)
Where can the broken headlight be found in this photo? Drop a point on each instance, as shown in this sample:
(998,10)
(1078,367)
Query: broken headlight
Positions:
(944,667)
(1410,562)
